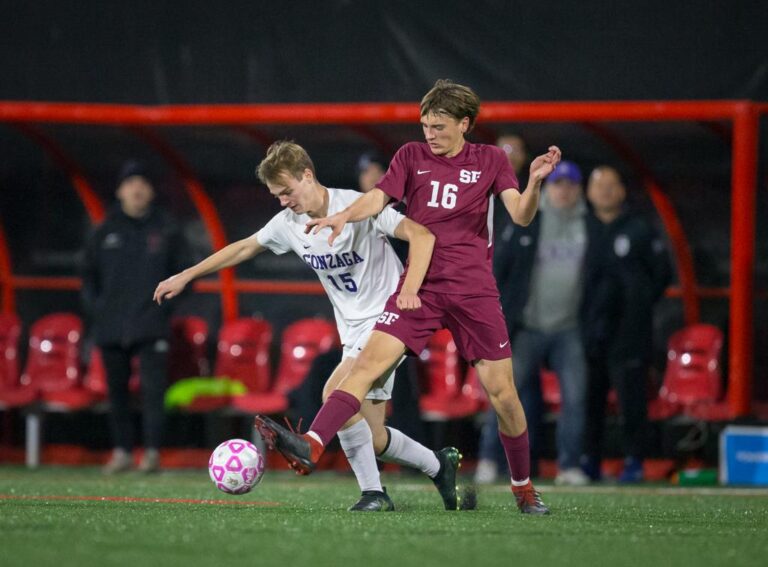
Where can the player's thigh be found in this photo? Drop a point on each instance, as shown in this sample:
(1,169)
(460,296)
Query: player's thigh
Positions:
(478,327)
(381,353)
(357,338)
(337,376)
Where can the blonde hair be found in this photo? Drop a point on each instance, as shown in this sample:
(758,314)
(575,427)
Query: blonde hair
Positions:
(284,157)
(450,98)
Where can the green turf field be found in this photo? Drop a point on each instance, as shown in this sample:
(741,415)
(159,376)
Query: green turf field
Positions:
(302,521)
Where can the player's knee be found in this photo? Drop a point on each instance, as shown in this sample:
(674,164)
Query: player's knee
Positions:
(365,370)
(504,397)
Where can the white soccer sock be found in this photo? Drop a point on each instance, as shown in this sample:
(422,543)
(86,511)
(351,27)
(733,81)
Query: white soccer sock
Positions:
(357,443)
(405,451)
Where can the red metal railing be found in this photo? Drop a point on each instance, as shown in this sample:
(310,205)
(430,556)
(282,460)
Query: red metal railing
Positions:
(743,114)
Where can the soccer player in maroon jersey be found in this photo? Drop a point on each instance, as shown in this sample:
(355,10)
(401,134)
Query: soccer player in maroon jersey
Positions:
(447,184)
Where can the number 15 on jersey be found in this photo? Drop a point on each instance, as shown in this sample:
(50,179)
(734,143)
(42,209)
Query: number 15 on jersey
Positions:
(346,280)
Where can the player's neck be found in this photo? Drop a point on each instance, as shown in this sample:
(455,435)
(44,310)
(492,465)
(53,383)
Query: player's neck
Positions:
(456,150)
(320,210)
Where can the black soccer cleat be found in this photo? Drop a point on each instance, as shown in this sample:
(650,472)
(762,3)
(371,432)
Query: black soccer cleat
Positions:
(445,479)
(373,501)
(297,449)
(529,500)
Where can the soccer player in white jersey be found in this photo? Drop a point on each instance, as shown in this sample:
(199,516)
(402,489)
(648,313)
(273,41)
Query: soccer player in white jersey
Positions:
(359,272)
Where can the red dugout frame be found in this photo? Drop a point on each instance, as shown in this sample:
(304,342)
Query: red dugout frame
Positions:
(744,115)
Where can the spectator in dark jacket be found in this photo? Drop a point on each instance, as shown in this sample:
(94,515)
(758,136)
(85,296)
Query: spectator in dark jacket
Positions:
(626,271)
(134,248)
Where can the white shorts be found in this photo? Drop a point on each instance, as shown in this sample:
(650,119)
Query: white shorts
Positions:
(354,335)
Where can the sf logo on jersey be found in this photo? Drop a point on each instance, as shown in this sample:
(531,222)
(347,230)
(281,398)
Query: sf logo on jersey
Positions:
(388,318)
(466,176)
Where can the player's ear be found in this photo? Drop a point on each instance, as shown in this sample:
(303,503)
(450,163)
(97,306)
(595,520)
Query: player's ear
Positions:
(308,175)
(464,124)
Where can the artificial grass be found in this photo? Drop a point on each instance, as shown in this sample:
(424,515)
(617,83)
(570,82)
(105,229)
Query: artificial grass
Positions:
(303,521)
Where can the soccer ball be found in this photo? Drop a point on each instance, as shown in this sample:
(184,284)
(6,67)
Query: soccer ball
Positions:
(236,466)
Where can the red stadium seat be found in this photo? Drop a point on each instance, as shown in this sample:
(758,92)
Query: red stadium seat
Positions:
(188,356)
(693,377)
(302,341)
(12,394)
(53,360)
(442,397)
(243,352)
(243,355)
(53,373)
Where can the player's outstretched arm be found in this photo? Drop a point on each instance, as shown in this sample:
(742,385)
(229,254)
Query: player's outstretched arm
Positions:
(366,206)
(230,255)
(522,207)
(421,243)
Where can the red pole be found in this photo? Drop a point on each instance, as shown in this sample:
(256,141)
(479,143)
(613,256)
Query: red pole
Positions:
(208,213)
(743,178)
(86,194)
(7,296)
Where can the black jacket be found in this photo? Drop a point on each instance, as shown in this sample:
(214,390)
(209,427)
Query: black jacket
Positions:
(626,270)
(513,258)
(125,259)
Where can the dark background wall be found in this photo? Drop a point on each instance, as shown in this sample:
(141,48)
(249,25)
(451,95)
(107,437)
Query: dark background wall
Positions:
(175,52)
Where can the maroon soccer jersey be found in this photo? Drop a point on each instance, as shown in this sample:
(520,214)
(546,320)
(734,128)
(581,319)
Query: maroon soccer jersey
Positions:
(451,197)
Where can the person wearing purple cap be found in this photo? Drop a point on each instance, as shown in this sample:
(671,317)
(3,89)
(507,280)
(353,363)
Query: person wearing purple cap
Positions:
(543,264)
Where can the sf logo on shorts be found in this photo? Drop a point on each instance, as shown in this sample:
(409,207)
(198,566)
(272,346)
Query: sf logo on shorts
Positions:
(388,318)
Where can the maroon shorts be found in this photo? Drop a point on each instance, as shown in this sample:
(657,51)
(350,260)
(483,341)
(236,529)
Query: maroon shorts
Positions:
(476,323)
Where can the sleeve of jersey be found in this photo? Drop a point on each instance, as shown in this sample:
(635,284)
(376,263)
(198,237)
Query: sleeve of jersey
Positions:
(394,180)
(387,220)
(272,236)
(505,178)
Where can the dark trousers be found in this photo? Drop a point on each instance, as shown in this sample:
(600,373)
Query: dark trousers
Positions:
(628,377)
(153,371)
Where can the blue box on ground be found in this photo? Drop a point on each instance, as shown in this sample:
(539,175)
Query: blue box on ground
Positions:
(744,455)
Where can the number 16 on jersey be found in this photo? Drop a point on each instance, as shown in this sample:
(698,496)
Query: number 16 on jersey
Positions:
(445,198)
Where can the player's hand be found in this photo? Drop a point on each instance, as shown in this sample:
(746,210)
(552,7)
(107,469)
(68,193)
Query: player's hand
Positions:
(408,301)
(169,288)
(334,222)
(545,164)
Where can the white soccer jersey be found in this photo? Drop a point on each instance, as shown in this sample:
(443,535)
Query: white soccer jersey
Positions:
(359,272)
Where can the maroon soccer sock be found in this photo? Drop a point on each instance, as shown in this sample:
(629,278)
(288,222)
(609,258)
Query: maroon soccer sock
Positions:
(518,453)
(336,410)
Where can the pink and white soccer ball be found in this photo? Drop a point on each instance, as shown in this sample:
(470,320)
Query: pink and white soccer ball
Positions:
(236,466)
